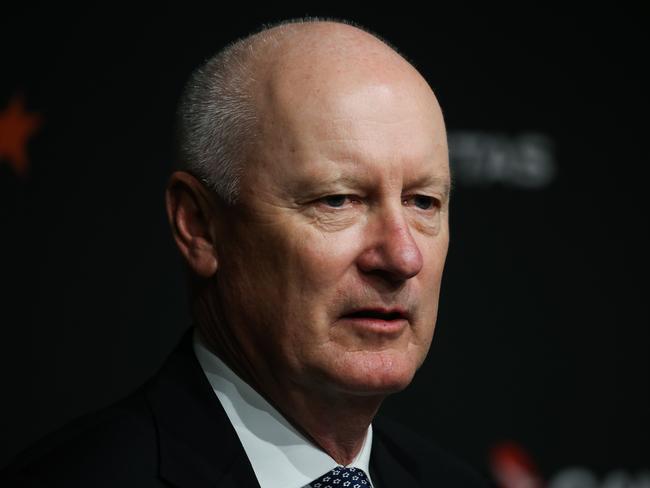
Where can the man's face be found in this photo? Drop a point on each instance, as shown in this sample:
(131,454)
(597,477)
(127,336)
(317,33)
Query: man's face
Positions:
(330,270)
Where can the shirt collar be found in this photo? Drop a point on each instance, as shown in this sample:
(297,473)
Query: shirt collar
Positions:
(280,455)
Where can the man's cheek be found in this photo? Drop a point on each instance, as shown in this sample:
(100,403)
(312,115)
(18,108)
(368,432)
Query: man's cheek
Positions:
(326,263)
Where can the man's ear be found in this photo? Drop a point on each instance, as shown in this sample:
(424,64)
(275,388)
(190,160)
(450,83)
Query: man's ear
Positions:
(192,213)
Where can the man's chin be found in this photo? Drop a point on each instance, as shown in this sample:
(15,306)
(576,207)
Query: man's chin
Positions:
(370,374)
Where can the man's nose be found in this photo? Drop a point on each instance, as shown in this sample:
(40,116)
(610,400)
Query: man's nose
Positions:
(392,251)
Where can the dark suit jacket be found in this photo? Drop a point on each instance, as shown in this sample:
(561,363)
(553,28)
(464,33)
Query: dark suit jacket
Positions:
(174,432)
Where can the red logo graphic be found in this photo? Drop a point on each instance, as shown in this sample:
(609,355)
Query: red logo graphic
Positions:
(16,128)
(512,467)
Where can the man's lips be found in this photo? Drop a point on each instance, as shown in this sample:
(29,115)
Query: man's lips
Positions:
(387,314)
(377,320)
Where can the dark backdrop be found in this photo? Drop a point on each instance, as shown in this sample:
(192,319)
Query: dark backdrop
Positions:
(540,357)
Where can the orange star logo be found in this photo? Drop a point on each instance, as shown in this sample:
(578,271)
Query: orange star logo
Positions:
(16,127)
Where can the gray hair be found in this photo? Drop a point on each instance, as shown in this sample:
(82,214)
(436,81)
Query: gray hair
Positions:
(216,119)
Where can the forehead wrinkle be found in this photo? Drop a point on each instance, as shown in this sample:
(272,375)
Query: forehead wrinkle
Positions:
(352,158)
(343,174)
(442,182)
(348,174)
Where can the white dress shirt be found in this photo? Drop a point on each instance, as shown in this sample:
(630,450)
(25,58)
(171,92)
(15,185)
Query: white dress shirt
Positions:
(280,455)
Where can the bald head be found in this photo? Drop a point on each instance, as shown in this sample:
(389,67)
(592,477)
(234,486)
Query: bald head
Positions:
(311,47)
(266,78)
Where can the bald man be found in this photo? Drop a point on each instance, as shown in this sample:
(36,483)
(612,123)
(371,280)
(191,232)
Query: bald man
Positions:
(311,208)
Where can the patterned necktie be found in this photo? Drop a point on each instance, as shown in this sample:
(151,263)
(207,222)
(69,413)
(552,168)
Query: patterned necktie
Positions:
(341,477)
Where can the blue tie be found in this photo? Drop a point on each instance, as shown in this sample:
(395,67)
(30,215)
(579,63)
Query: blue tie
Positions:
(341,477)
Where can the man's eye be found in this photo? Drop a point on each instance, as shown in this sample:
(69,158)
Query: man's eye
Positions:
(422,202)
(335,200)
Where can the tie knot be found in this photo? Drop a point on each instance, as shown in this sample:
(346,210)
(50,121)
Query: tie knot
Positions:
(341,477)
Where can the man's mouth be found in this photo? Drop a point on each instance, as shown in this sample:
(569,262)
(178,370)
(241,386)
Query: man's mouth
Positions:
(379,321)
(377,314)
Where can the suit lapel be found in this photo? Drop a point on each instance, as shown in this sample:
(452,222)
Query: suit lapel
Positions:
(198,445)
(387,468)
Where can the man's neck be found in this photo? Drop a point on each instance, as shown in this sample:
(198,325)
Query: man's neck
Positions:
(336,422)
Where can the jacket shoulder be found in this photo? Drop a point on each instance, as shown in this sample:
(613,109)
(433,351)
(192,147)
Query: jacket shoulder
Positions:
(422,458)
(115,446)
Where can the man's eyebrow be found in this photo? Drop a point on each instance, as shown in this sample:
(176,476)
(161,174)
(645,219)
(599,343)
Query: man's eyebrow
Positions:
(442,182)
(310,184)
